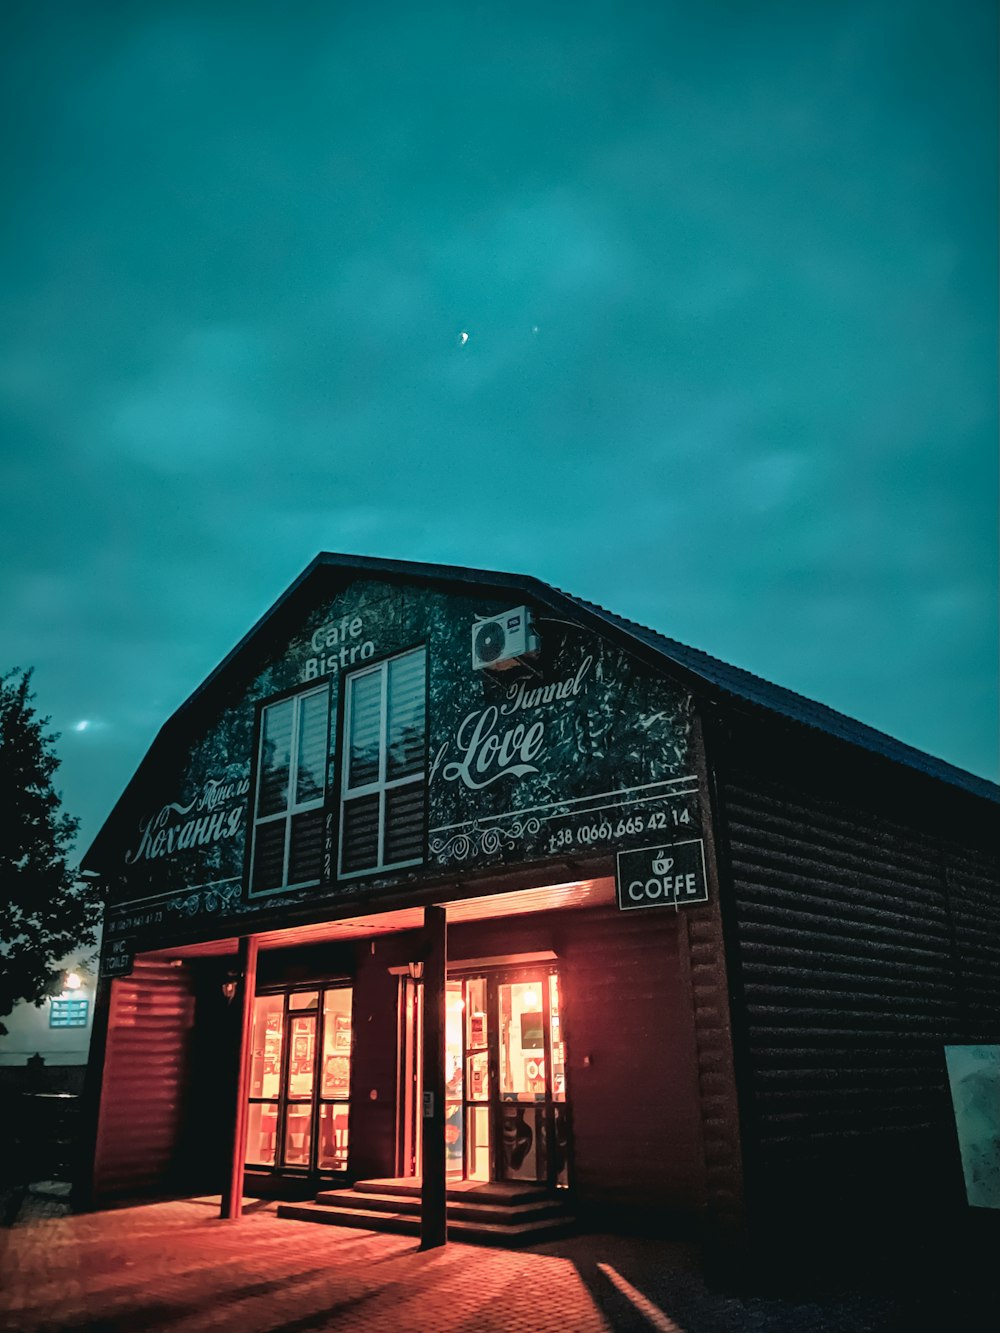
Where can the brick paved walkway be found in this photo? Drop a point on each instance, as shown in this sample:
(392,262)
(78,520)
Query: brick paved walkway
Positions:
(177,1266)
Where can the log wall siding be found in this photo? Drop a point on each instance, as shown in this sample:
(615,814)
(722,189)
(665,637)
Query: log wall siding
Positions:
(720,1130)
(862,944)
(971,877)
(145,1078)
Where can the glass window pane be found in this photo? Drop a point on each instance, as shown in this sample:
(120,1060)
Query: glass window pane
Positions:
(333,1125)
(405,729)
(477,1143)
(306,999)
(523,1142)
(454,1114)
(310,781)
(560,1154)
(275,759)
(366,729)
(305,856)
(557,1051)
(454,1006)
(262,1127)
(298,1135)
(477,1088)
(475,1013)
(360,833)
(336,1043)
(268,855)
(522,1043)
(302,1057)
(265,1050)
(404,824)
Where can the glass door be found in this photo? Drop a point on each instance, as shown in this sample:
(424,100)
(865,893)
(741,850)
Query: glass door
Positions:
(265,1079)
(300,1078)
(531,1111)
(478,1126)
(454,1088)
(506,1111)
(335,1085)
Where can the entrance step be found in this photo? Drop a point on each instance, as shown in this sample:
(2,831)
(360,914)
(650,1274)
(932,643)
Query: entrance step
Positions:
(468,1209)
(487,1214)
(496,1191)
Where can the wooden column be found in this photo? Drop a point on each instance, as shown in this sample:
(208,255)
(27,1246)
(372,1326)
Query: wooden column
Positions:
(246,986)
(433,1218)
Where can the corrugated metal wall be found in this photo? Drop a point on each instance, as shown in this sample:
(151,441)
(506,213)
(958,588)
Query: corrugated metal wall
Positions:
(861,943)
(145,1078)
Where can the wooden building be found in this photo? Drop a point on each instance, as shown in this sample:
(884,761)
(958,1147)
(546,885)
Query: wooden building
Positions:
(447,873)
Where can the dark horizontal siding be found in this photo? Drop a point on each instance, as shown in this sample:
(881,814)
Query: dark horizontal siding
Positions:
(973,876)
(864,937)
(152,1012)
(632,1071)
(846,971)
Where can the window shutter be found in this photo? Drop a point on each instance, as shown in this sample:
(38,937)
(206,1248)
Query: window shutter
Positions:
(383,800)
(366,719)
(275,759)
(289,824)
(405,729)
(404,823)
(268,856)
(310,780)
(360,833)
(305,857)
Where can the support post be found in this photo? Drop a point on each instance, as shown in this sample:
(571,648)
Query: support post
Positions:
(246,986)
(433,1216)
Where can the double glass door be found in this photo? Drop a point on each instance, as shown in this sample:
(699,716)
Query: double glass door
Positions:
(300,1079)
(506,1115)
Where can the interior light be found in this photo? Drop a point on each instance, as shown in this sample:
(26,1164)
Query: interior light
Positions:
(530,1000)
(73,981)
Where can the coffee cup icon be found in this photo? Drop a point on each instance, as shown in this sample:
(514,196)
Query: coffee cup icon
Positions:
(662,862)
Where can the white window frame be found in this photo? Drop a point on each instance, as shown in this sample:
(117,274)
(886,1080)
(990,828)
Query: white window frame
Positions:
(293,808)
(380,786)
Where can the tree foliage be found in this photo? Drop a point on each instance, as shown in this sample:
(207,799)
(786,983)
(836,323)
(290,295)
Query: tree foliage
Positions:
(45,909)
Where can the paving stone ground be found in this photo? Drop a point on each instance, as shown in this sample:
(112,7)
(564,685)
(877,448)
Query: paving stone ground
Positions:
(176,1265)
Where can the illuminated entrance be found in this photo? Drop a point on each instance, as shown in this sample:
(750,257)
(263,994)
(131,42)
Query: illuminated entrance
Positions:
(300,1075)
(506,1111)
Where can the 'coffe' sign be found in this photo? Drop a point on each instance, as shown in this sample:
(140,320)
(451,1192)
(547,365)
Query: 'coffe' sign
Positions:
(670,875)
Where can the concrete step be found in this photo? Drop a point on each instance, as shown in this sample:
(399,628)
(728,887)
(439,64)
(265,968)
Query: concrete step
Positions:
(470,1208)
(371,1220)
(496,1192)
(479,1232)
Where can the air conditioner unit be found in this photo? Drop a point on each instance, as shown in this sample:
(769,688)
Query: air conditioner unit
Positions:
(498,642)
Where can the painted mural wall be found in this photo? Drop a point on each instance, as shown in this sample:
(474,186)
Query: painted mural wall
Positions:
(581,750)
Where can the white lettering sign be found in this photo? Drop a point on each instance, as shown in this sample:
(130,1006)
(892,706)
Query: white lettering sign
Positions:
(489,751)
(168,831)
(336,645)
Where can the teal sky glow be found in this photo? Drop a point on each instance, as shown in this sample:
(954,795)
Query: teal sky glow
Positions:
(727,278)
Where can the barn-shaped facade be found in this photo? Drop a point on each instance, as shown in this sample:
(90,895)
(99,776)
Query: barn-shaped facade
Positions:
(445,875)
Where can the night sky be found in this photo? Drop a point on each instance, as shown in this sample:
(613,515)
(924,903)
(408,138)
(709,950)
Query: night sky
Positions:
(690,310)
